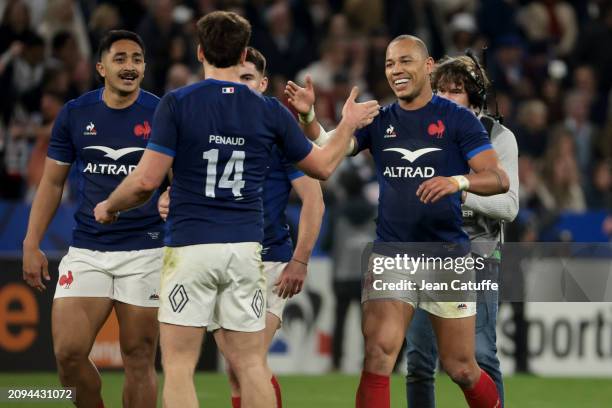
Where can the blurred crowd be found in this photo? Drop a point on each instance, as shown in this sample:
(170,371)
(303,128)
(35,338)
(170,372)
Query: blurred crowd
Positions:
(549,60)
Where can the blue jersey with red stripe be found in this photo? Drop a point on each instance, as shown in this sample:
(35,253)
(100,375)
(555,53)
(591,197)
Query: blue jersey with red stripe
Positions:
(410,147)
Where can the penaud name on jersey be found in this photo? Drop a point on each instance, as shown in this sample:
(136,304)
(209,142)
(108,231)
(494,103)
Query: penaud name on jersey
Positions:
(221,135)
(410,147)
(277,244)
(104,145)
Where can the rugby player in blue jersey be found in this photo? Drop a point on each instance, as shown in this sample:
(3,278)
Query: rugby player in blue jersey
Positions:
(285,268)
(424,147)
(103,134)
(217,136)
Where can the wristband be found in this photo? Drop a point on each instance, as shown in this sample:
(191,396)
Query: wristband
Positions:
(323,137)
(307,118)
(462,182)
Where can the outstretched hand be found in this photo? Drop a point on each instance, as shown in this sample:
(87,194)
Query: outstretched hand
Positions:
(300,98)
(358,115)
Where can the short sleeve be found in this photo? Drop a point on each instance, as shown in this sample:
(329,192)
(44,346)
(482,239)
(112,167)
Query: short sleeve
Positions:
(61,147)
(290,170)
(471,136)
(165,129)
(292,142)
(364,138)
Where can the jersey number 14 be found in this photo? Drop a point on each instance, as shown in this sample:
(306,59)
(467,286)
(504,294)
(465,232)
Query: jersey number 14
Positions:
(234,165)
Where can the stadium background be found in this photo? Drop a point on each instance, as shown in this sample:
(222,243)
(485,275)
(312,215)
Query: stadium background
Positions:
(550,62)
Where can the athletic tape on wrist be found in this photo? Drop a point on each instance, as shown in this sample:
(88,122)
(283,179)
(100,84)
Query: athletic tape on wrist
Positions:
(462,182)
(307,118)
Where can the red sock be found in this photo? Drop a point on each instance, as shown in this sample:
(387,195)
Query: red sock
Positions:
(373,391)
(483,394)
(101,404)
(235,402)
(277,392)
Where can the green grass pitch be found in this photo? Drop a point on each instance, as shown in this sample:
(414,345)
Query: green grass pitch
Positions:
(337,391)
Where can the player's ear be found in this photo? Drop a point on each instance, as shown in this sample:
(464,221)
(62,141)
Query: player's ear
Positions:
(200,54)
(263,86)
(100,69)
(429,65)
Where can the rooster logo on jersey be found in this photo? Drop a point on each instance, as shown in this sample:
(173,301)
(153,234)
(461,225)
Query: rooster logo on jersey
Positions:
(90,130)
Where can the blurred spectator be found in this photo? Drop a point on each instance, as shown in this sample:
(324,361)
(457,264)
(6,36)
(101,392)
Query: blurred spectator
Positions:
(532,123)
(286,48)
(334,55)
(496,19)
(506,67)
(364,15)
(15,24)
(103,19)
(21,78)
(529,182)
(560,188)
(165,44)
(51,105)
(600,192)
(582,130)
(352,230)
(586,81)
(178,76)
(131,12)
(552,95)
(550,21)
(593,47)
(462,33)
(66,15)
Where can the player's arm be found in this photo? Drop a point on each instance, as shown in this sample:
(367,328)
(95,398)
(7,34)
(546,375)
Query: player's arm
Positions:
(322,161)
(291,280)
(501,206)
(47,200)
(303,99)
(137,188)
(487,178)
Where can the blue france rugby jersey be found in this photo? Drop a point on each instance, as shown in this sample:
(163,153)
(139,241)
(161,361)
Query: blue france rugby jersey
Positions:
(410,147)
(105,145)
(221,136)
(277,244)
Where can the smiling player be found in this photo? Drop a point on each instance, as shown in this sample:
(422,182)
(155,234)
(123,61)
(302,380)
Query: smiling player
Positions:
(423,147)
(103,133)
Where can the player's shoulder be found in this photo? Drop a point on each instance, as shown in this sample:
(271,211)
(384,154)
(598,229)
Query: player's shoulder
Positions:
(384,112)
(147,99)
(450,107)
(86,100)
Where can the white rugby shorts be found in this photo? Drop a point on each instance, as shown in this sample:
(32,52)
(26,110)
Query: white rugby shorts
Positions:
(221,283)
(130,277)
(375,288)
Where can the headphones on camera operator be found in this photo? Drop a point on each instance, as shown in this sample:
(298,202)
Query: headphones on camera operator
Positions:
(487,118)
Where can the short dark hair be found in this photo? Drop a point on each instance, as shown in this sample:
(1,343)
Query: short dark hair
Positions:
(256,58)
(462,70)
(223,36)
(116,35)
(420,44)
